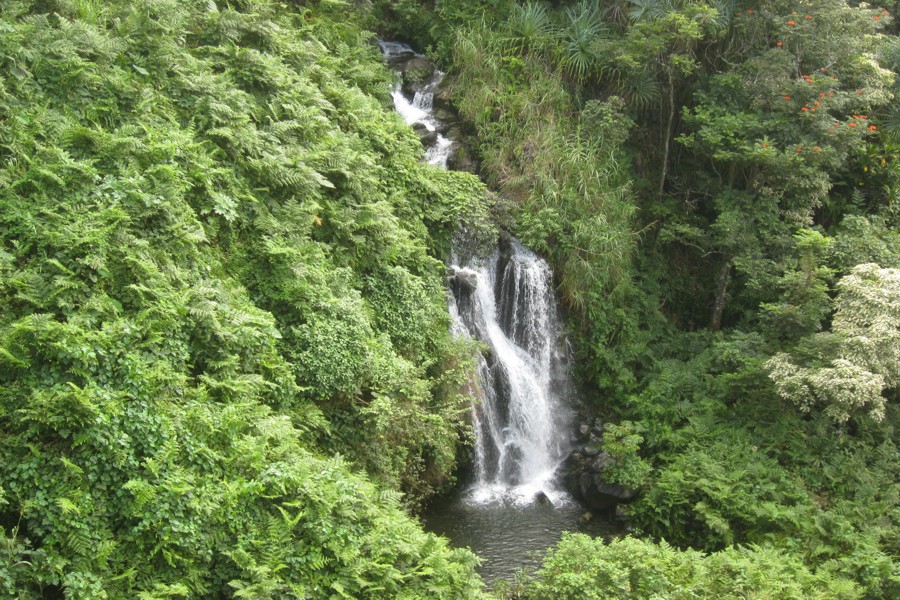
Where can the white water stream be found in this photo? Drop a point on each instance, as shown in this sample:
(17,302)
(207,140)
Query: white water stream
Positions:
(522,420)
(506,301)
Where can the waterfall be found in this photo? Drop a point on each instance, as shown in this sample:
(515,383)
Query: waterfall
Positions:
(522,421)
(506,301)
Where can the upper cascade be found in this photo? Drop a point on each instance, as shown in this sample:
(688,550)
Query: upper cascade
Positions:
(418,111)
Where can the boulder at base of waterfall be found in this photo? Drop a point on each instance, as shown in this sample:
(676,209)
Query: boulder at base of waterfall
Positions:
(600,495)
(593,448)
(599,462)
(584,431)
(583,477)
(428,138)
(542,499)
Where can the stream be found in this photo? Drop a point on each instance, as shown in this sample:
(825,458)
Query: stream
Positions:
(514,505)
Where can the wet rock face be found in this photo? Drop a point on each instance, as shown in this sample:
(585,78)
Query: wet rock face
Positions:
(416,67)
(584,473)
(463,280)
(426,136)
(396,53)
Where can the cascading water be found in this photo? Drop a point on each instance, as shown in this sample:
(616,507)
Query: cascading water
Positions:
(418,112)
(505,301)
(521,420)
(521,423)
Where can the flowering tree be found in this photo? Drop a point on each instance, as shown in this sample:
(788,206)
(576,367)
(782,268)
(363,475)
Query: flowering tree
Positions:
(773,140)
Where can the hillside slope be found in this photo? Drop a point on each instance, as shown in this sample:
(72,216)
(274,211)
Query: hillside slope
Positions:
(217,271)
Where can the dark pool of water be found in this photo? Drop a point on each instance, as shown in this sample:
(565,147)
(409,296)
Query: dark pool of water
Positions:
(509,537)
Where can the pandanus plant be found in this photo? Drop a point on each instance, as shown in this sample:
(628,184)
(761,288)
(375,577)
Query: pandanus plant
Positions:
(582,35)
(530,28)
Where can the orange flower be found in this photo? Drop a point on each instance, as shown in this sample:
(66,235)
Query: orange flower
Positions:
(851,124)
(836,124)
(799,148)
(817,103)
(792,23)
(765,145)
(779,44)
(873,127)
(804,109)
(749,11)
(831,94)
(822,95)
(859,92)
(816,148)
(786,97)
(877,17)
(807,16)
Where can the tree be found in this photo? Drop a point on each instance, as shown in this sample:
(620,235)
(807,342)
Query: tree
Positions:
(851,367)
(772,137)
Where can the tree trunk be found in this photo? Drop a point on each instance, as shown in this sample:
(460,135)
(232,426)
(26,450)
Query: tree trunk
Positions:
(715,320)
(668,136)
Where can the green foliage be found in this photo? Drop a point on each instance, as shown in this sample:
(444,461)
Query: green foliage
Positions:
(622,442)
(777,138)
(531,28)
(858,359)
(804,303)
(217,249)
(707,177)
(582,36)
(580,568)
(720,493)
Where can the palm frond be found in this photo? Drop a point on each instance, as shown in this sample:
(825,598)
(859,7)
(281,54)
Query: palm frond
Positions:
(529,27)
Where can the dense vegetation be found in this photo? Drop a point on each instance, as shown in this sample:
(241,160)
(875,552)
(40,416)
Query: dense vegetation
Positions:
(218,273)
(225,366)
(717,184)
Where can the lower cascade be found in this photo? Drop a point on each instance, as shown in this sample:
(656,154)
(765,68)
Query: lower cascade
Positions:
(522,421)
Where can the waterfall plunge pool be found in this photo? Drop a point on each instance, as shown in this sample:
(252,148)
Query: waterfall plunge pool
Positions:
(516,506)
(509,536)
